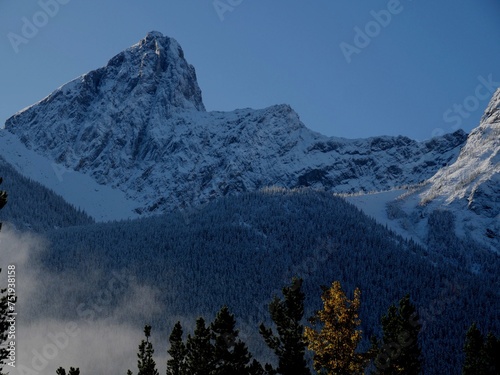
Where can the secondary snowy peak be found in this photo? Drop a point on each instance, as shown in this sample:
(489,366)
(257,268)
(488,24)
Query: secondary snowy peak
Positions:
(475,175)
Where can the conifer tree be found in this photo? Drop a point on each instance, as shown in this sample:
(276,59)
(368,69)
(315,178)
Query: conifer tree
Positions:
(481,356)
(289,344)
(200,352)
(176,365)
(491,348)
(335,342)
(473,350)
(145,363)
(230,353)
(399,350)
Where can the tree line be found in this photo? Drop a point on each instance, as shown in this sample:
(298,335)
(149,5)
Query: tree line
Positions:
(333,337)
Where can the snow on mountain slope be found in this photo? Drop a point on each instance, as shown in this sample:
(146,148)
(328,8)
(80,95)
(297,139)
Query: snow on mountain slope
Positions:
(139,125)
(475,176)
(469,188)
(103,203)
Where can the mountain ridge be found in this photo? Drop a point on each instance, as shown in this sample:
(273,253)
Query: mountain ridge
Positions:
(139,125)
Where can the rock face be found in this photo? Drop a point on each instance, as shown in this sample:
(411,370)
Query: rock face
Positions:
(139,124)
(475,176)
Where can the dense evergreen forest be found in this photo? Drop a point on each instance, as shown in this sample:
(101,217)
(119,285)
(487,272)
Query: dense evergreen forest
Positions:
(240,251)
(34,207)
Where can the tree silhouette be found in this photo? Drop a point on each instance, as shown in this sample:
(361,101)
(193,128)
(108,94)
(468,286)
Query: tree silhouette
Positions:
(289,344)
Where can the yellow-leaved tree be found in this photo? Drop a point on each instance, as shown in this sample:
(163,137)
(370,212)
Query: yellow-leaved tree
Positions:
(335,341)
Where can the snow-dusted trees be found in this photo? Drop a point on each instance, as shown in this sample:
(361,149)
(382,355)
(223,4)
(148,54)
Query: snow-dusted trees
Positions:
(34,207)
(263,240)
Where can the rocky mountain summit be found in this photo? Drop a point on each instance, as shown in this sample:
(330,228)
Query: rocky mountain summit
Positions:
(139,125)
(474,178)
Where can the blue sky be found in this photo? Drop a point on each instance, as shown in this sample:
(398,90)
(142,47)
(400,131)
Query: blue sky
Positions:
(412,67)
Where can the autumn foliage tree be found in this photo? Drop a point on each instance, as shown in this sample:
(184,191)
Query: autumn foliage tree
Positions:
(335,335)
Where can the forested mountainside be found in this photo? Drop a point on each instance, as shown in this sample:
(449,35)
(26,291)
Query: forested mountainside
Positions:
(240,251)
(32,206)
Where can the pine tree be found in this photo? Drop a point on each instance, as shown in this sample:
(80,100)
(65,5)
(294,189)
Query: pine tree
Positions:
(200,352)
(230,353)
(176,365)
(399,350)
(146,364)
(289,344)
(335,343)
(491,348)
(473,351)
(481,356)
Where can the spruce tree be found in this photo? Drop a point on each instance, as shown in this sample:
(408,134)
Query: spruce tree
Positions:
(491,350)
(336,340)
(145,363)
(230,353)
(473,349)
(289,344)
(176,365)
(200,352)
(399,350)
(481,356)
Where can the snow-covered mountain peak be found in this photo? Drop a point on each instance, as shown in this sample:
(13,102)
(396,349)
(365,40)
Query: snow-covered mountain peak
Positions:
(149,80)
(138,124)
(475,176)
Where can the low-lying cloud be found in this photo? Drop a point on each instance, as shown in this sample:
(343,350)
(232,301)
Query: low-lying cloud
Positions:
(70,321)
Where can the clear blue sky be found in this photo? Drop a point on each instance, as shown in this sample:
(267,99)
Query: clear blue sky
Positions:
(428,57)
